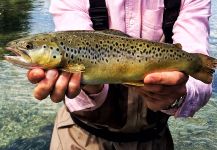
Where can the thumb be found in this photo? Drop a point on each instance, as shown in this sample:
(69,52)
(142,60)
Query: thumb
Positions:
(166,78)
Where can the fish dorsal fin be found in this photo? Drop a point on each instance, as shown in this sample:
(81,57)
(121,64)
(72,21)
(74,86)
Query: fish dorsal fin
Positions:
(178,45)
(114,32)
(72,68)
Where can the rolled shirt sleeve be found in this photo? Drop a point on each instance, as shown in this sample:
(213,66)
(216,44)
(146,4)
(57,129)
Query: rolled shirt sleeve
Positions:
(70,15)
(84,102)
(193,22)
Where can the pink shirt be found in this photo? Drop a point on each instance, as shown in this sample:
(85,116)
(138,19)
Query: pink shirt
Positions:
(142,19)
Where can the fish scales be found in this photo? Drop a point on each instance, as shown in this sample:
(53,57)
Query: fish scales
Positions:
(111,56)
(126,54)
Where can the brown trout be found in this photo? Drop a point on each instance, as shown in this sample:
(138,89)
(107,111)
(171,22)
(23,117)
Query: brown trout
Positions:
(107,56)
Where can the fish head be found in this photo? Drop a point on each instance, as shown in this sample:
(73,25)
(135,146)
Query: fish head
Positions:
(36,51)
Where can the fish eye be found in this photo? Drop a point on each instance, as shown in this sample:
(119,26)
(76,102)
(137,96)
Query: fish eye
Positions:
(29,46)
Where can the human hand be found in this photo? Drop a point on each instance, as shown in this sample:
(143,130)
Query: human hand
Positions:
(57,85)
(161,89)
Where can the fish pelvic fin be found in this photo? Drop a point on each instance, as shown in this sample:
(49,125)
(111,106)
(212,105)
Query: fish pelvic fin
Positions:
(205,74)
(73,68)
(134,83)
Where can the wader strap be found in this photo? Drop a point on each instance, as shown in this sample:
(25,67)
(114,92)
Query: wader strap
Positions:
(171,13)
(146,135)
(98,14)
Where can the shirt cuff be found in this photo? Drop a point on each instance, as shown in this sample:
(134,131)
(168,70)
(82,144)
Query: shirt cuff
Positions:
(84,102)
(198,94)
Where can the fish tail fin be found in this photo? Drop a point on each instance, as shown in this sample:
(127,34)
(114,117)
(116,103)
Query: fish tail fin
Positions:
(209,64)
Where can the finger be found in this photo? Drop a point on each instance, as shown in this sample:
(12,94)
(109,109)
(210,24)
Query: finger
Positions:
(45,86)
(35,75)
(163,89)
(74,85)
(166,78)
(158,103)
(58,93)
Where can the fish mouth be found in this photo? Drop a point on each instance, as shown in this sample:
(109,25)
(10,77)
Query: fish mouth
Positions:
(19,58)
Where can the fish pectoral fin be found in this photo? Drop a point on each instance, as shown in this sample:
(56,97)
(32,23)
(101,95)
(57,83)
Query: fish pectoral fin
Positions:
(139,83)
(72,68)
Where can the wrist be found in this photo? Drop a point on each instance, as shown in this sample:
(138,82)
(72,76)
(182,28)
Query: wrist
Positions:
(176,104)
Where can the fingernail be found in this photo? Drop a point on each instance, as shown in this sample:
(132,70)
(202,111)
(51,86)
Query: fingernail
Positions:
(148,79)
(51,74)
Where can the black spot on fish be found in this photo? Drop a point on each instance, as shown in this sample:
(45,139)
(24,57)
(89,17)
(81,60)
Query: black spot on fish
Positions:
(148,46)
(72,56)
(67,49)
(51,47)
(66,54)
(54,56)
(61,43)
(44,46)
(57,49)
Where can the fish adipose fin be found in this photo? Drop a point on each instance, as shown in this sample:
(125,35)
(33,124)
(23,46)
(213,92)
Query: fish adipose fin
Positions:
(178,45)
(72,68)
(205,74)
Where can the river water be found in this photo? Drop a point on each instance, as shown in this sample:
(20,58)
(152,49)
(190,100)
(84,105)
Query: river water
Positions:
(26,123)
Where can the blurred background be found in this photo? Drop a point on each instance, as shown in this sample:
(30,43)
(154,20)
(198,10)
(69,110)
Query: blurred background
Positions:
(26,123)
